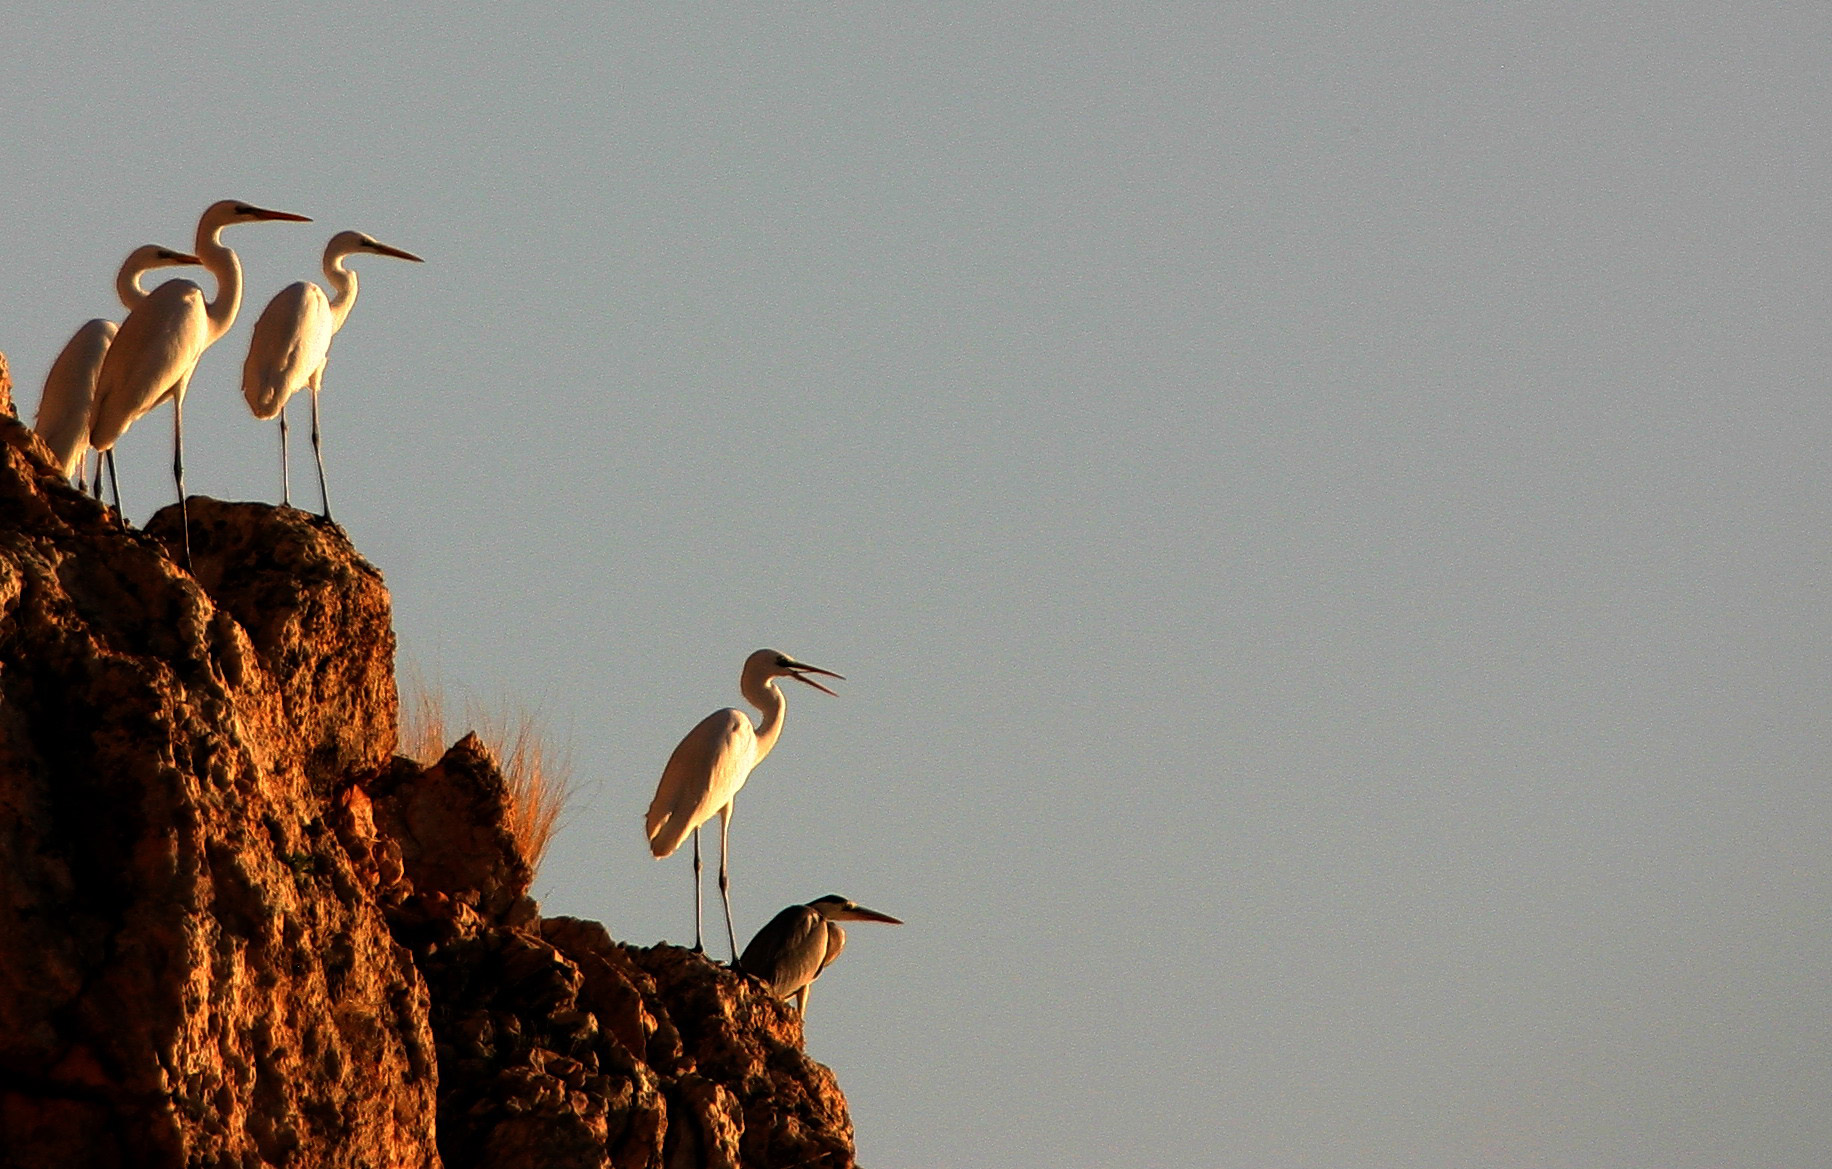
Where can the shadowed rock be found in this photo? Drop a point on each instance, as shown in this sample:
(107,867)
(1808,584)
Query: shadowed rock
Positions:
(234,930)
(449,821)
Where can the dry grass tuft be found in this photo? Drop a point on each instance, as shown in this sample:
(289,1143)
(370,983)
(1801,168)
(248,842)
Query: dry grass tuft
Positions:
(539,776)
(422,737)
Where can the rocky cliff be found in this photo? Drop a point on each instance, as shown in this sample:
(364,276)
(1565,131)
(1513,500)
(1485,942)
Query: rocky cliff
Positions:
(237,930)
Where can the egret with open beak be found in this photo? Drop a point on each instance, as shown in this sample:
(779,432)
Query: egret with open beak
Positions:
(712,763)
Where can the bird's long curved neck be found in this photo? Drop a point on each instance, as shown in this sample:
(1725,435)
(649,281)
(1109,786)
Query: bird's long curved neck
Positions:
(343,284)
(770,701)
(221,263)
(127,286)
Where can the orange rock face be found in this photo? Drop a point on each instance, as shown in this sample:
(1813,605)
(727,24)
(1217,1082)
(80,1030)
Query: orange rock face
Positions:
(192,971)
(236,930)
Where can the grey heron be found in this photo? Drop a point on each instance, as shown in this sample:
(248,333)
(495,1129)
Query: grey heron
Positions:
(800,942)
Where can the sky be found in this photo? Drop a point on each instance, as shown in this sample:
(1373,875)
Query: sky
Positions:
(1322,509)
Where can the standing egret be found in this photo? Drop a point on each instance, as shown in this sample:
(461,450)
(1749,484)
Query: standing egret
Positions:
(802,941)
(156,350)
(712,763)
(292,343)
(69,395)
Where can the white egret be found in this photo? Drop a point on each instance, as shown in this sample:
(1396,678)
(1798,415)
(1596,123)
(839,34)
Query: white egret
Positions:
(802,941)
(292,343)
(156,350)
(69,394)
(712,763)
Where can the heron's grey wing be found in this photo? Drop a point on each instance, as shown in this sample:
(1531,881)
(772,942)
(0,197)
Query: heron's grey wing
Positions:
(788,953)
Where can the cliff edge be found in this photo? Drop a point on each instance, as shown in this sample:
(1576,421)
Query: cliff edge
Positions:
(237,930)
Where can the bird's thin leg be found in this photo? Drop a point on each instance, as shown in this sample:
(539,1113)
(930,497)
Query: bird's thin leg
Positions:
(698,945)
(115,480)
(801,1000)
(725,884)
(286,487)
(95,487)
(184,511)
(324,492)
(82,473)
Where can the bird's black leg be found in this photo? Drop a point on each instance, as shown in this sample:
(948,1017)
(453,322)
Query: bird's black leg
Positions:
(698,946)
(725,884)
(115,480)
(184,511)
(324,492)
(286,486)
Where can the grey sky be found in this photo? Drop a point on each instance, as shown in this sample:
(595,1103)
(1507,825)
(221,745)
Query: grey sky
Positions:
(1322,509)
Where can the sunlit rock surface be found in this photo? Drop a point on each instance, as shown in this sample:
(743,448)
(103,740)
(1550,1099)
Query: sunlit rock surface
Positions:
(192,971)
(235,929)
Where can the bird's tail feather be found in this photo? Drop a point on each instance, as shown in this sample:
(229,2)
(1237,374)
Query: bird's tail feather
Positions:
(664,837)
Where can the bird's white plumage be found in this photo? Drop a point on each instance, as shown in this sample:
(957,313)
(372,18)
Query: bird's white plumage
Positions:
(701,777)
(292,338)
(292,342)
(151,360)
(69,395)
(157,348)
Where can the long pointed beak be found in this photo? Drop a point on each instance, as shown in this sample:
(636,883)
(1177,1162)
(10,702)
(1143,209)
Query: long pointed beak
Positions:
(860,913)
(397,253)
(288,216)
(800,671)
